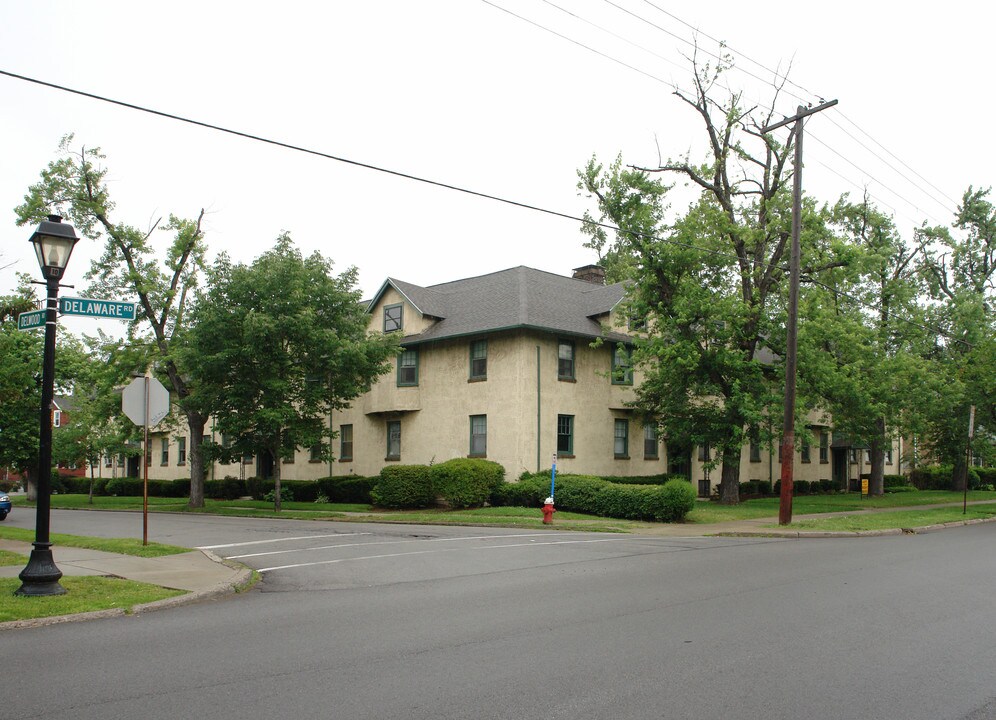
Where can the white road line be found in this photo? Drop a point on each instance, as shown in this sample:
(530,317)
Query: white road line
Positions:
(426,552)
(388,542)
(263,542)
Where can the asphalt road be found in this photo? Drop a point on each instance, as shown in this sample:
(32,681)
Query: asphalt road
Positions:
(363,621)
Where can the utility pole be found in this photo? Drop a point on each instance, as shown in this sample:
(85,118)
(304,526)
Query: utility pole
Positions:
(788,431)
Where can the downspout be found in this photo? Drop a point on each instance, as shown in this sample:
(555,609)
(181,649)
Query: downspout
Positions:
(539,425)
(330,440)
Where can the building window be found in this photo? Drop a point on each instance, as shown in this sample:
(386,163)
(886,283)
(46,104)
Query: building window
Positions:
(56,418)
(345,442)
(408,368)
(315,453)
(392,318)
(247,458)
(622,365)
(755,451)
(565,360)
(164,452)
(651,448)
(226,443)
(108,461)
(478,435)
(181,451)
(565,435)
(705,452)
(824,446)
(620,446)
(888,456)
(852,455)
(394,440)
(804,451)
(479,360)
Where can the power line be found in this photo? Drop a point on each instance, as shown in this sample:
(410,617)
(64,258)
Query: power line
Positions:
(395,173)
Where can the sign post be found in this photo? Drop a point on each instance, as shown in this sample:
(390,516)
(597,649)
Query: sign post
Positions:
(145,401)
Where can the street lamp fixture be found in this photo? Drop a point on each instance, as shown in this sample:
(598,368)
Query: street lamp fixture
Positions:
(54,242)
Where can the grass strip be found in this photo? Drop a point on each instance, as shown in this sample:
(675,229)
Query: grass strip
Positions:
(83,594)
(124,546)
(889,520)
(12,558)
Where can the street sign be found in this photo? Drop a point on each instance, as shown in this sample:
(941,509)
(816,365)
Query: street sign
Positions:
(133,401)
(97,308)
(28,320)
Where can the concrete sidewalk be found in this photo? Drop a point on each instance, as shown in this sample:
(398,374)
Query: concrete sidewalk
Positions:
(202,574)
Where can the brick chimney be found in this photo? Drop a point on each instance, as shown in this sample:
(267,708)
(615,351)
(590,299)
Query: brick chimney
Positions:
(594,274)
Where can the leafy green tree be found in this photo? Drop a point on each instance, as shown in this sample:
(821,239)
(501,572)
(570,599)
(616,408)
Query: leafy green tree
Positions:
(711,283)
(276,346)
(863,336)
(960,269)
(21,354)
(132,267)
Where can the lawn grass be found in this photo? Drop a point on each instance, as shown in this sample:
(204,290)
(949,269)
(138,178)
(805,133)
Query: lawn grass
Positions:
(124,546)
(83,594)
(12,558)
(893,519)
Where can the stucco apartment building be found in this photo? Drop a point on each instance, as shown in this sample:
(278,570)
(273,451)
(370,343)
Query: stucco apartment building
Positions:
(505,366)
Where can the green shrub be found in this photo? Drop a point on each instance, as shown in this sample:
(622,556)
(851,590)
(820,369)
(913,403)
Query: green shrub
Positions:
(348,488)
(286,494)
(889,481)
(227,488)
(529,491)
(637,480)
(403,486)
(579,493)
(765,487)
(801,487)
(931,477)
(624,501)
(987,475)
(670,502)
(465,482)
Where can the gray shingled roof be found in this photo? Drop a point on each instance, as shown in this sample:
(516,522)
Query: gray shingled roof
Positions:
(519,297)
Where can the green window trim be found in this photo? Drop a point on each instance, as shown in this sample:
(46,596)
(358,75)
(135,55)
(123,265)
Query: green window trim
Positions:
(479,360)
(566,360)
(622,364)
(393,440)
(164,452)
(181,451)
(478,436)
(394,316)
(408,368)
(620,439)
(565,435)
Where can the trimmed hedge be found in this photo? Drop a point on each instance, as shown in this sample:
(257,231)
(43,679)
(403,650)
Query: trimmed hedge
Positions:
(403,487)
(667,502)
(348,488)
(465,482)
(938,477)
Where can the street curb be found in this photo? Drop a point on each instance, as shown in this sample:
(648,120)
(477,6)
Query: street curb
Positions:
(244,580)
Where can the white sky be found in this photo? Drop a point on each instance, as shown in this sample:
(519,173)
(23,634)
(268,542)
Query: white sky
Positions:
(463,93)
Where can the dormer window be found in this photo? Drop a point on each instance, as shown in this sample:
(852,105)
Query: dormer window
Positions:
(392,318)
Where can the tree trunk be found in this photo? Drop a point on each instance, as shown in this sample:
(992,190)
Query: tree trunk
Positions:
(276,481)
(195,426)
(31,484)
(729,486)
(876,481)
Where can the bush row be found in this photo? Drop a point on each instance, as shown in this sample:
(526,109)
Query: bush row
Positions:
(347,489)
(458,483)
(667,502)
(938,477)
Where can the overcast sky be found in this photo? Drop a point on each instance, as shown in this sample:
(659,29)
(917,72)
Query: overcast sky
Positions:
(466,93)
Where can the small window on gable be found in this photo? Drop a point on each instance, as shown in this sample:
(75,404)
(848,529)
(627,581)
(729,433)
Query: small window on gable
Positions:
(393,318)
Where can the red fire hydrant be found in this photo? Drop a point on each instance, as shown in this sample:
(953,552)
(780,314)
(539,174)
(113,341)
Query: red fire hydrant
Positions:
(548,511)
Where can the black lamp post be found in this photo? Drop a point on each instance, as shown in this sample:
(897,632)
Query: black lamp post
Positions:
(53,241)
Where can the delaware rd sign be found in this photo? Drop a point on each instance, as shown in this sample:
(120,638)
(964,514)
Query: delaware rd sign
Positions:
(97,308)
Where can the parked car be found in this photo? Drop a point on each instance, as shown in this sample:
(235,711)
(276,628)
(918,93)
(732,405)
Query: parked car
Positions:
(5,505)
